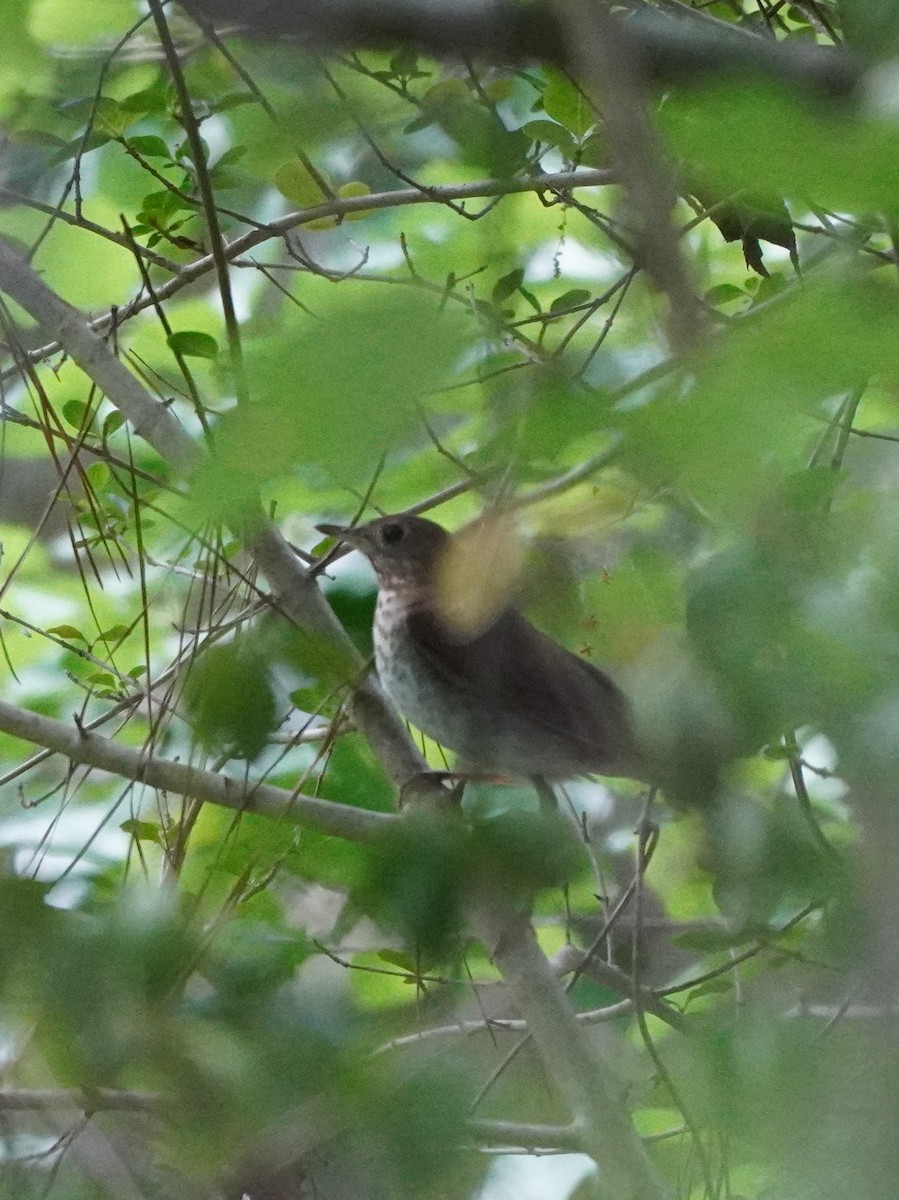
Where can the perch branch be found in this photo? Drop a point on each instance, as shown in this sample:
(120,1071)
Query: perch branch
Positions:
(80,746)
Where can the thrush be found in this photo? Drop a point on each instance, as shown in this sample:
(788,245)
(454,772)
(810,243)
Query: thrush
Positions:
(507,699)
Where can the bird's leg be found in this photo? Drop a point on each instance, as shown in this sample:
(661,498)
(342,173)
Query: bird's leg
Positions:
(425,782)
(545,794)
(428,785)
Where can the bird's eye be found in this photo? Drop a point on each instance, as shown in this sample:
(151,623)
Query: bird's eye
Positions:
(391,534)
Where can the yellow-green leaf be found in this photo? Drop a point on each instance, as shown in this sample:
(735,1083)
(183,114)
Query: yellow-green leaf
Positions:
(297,184)
(355,188)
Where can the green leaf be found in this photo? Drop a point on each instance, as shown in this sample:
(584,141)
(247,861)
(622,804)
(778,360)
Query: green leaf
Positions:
(143,831)
(35,137)
(565,104)
(101,679)
(741,419)
(405,62)
(713,987)
(26,920)
(482,138)
(98,475)
(229,697)
(231,156)
(115,633)
(413,883)
(593,150)
(235,100)
(556,413)
(401,959)
(764,141)
(445,95)
(570,299)
(777,752)
(418,123)
(531,299)
(69,632)
(294,181)
(711,941)
(108,116)
(507,285)
(112,424)
(185,151)
(353,772)
(498,90)
(553,134)
(149,100)
(192,344)
(306,699)
(81,145)
(74,413)
(149,146)
(163,205)
(870,26)
(354,188)
(332,396)
(725,292)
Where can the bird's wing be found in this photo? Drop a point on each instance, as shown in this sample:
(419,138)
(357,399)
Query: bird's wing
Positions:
(519,671)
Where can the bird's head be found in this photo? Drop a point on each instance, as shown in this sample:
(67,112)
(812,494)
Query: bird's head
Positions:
(403,550)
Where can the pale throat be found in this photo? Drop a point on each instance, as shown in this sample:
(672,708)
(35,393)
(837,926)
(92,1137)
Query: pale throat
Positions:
(400,670)
(393,606)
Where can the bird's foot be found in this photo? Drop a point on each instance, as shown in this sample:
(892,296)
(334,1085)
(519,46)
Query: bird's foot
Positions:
(424,785)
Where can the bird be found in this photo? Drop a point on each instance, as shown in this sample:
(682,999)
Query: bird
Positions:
(507,699)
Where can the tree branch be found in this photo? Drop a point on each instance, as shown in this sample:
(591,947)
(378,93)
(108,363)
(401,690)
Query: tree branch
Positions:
(87,1099)
(571,1061)
(298,595)
(585,1082)
(559,181)
(528,1137)
(605,57)
(79,746)
(9,196)
(672,49)
(152,421)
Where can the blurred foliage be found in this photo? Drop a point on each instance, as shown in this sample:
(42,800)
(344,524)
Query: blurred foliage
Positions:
(719,528)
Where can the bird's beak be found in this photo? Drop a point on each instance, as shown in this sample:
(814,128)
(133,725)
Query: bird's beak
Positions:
(332,530)
(348,534)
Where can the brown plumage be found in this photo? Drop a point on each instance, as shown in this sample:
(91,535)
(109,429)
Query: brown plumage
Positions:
(508,699)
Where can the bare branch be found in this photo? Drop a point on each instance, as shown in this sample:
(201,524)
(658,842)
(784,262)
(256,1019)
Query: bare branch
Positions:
(606,58)
(79,221)
(529,1137)
(672,48)
(559,181)
(80,746)
(88,1100)
(575,1064)
(151,420)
